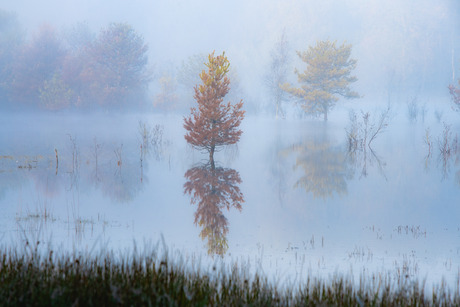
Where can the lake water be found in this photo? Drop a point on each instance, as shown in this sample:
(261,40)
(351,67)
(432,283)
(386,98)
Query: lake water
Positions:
(290,199)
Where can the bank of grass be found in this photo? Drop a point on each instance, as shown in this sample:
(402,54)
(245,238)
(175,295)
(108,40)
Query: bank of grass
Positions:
(142,279)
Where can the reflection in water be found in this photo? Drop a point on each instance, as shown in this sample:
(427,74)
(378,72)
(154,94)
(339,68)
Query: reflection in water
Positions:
(213,189)
(114,171)
(361,132)
(117,175)
(15,169)
(324,167)
(448,150)
(278,170)
(448,154)
(361,158)
(119,183)
(151,140)
(118,171)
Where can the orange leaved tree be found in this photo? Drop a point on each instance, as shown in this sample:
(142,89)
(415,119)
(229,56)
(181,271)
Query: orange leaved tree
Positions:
(214,123)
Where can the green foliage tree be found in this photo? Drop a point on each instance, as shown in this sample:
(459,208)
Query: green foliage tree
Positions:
(327,76)
(214,123)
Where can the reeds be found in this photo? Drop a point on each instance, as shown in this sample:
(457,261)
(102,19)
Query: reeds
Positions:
(148,278)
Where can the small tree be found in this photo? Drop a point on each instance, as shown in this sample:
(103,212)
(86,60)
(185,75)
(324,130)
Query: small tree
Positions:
(214,123)
(455,92)
(326,77)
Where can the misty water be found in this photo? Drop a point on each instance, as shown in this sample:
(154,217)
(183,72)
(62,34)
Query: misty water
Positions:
(90,183)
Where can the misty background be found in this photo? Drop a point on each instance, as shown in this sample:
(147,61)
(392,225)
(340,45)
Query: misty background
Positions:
(123,174)
(404,49)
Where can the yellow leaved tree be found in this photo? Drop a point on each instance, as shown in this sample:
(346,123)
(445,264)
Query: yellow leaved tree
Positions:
(326,78)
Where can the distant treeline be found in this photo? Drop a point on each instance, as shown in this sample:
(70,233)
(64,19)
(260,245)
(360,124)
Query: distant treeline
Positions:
(75,68)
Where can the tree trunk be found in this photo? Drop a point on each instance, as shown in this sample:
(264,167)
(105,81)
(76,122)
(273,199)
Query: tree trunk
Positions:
(213,166)
(325,116)
(211,156)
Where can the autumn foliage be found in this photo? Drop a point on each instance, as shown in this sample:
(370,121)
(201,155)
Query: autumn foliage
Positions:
(214,123)
(326,77)
(323,167)
(116,68)
(76,69)
(213,189)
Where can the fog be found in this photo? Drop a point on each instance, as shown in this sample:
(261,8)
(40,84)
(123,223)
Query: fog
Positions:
(373,186)
(409,48)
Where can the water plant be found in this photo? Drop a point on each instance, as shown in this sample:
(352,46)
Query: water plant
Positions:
(151,140)
(448,148)
(360,135)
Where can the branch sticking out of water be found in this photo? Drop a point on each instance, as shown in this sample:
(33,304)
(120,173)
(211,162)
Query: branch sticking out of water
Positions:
(57,160)
(363,133)
(380,126)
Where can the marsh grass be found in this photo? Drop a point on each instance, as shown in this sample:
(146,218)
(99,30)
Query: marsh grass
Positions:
(149,277)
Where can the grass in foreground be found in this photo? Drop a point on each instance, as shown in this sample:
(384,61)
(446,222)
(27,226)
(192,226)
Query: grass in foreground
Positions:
(32,279)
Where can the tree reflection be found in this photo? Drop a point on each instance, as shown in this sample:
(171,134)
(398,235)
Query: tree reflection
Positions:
(364,157)
(212,189)
(448,154)
(278,171)
(324,167)
(448,150)
(119,175)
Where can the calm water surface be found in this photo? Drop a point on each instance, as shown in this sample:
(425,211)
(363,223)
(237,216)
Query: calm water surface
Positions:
(290,199)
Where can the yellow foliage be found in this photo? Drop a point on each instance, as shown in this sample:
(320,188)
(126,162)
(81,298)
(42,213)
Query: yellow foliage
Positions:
(327,76)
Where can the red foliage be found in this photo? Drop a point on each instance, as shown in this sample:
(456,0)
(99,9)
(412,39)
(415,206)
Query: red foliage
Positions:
(110,70)
(214,123)
(213,189)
